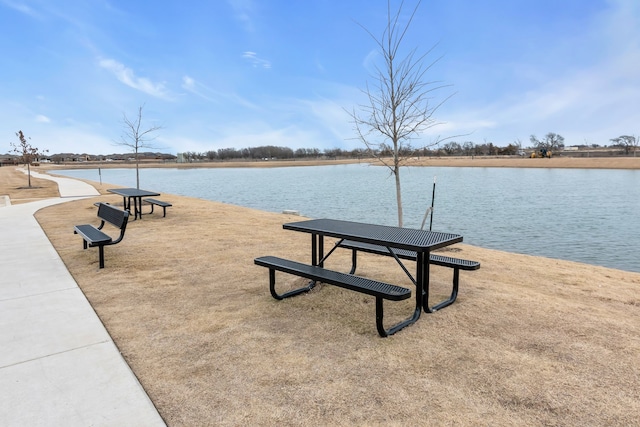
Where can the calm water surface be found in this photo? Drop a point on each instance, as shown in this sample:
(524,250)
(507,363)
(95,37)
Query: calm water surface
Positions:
(584,215)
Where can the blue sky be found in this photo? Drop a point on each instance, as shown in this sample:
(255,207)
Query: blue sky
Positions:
(246,73)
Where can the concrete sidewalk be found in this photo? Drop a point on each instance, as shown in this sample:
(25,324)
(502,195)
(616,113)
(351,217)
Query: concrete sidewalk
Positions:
(58,364)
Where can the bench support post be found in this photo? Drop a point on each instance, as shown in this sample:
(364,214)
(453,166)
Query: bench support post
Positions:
(423,270)
(379,305)
(164,210)
(272,287)
(101,252)
(392,330)
(452,298)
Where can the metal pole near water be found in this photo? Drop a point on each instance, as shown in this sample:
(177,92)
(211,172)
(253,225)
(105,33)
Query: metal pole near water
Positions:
(430,209)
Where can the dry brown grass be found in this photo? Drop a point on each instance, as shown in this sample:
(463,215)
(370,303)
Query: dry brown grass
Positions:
(15,184)
(530,341)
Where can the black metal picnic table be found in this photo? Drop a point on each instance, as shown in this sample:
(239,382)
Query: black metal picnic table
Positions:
(136,194)
(420,241)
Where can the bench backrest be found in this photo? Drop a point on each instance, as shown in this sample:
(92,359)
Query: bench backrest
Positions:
(114,216)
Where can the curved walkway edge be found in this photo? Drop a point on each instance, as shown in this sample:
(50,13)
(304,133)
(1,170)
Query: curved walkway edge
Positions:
(58,364)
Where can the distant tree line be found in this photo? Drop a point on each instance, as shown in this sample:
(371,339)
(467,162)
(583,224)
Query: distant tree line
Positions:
(552,142)
(271,152)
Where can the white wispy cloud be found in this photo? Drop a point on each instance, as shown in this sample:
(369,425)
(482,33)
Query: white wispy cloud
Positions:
(330,115)
(188,83)
(20,7)
(243,10)
(128,77)
(255,60)
(191,85)
(369,61)
(205,92)
(42,119)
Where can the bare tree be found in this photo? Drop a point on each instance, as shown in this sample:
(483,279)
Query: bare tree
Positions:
(629,142)
(137,138)
(399,107)
(28,153)
(552,142)
(518,145)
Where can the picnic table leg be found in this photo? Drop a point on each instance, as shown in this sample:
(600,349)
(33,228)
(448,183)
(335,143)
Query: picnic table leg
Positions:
(314,249)
(127,206)
(137,201)
(317,249)
(126,201)
(354,261)
(423,279)
(419,300)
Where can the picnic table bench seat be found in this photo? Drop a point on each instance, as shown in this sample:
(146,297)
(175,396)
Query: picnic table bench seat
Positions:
(94,236)
(160,203)
(456,263)
(379,290)
(435,259)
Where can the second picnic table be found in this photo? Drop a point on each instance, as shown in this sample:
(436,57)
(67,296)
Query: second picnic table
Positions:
(136,194)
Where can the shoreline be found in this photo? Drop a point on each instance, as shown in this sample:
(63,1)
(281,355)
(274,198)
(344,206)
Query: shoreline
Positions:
(612,259)
(102,187)
(484,162)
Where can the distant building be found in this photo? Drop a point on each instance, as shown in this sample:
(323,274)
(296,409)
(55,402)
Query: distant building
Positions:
(8,159)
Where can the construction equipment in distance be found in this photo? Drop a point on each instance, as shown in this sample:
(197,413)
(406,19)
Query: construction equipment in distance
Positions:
(541,154)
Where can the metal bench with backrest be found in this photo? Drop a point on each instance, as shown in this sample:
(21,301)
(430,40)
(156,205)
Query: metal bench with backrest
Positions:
(94,236)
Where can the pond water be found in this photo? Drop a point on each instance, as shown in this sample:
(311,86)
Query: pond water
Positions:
(584,215)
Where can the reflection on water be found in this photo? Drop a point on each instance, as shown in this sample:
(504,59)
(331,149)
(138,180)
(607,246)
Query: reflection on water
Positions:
(585,215)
